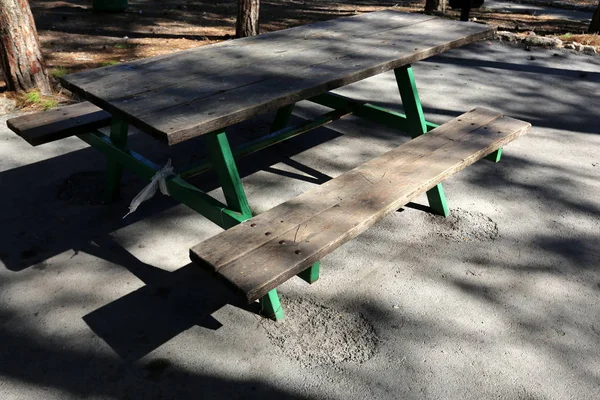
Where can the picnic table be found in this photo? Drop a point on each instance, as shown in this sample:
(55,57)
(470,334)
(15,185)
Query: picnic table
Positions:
(202,91)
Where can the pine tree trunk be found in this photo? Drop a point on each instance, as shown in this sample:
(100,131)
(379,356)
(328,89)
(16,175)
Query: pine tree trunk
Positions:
(435,5)
(595,24)
(20,55)
(247,18)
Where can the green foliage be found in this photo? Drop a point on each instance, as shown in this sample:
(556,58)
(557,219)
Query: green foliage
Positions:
(58,72)
(49,103)
(122,46)
(566,36)
(33,96)
(109,63)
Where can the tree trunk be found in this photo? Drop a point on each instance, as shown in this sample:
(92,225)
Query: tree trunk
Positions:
(247,18)
(435,5)
(465,10)
(20,55)
(595,24)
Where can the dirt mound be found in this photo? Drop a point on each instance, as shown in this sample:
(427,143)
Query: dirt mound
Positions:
(314,334)
(462,225)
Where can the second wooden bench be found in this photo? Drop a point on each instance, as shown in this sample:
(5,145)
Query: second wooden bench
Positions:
(261,253)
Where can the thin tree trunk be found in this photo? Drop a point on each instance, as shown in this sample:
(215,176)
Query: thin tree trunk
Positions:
(595,24)
(465,10)
(435,5)
(247,18)
(20,55)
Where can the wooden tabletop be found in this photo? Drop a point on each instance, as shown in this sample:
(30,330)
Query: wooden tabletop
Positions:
(188,93)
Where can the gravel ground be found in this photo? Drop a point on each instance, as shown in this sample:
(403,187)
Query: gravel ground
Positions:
(499,301)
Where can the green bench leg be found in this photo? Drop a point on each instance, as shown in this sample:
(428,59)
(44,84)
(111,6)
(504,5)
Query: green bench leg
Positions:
(114,170)
(417,126)
(270,307)
(495,156)
(229,177)
(311,274)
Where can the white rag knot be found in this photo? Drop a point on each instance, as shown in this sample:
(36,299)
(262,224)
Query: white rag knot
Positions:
(158,181)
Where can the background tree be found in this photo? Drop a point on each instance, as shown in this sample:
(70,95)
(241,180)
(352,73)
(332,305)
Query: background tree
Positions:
(435,5)
(247,18)
(20,55)
(595,24)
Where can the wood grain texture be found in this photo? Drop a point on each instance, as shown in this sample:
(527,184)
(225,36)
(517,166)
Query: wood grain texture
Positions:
(274,246)
(48,126)
(227,57)
(197,91)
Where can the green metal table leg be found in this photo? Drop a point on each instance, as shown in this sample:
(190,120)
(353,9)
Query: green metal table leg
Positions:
(229,177)
(270,307)
(418,126)
(495,156)
(114,170)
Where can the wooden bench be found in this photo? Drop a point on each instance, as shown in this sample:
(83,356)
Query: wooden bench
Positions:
(59,123)
(259,254)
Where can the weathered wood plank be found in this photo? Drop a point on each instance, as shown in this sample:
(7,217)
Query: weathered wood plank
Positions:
(359,60)
(216,250)
(383,188)
(59,123)
(287,255)
(230,56)
(194,92)
(290,63)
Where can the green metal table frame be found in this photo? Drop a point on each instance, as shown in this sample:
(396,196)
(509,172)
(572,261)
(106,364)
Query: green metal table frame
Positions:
(222,160)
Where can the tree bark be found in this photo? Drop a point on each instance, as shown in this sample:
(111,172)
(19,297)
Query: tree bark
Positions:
(595,24)
(247,18)
(465,10)
(20,56)
(435,5)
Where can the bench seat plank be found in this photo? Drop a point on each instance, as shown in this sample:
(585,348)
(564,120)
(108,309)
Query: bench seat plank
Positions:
(217,250)
(322,219)
(59,123)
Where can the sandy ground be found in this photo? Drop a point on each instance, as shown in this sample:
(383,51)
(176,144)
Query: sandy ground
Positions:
(499,301)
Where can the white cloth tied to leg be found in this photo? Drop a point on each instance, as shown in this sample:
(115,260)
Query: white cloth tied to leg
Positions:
(158,182)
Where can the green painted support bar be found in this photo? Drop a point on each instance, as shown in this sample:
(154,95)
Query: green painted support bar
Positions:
(311,274)
(410,101)
(269,140)
(179,189)
(371,112)
(270,306)
(495,156)
(229,177)
(114,169)
(416,127)
(282,118)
